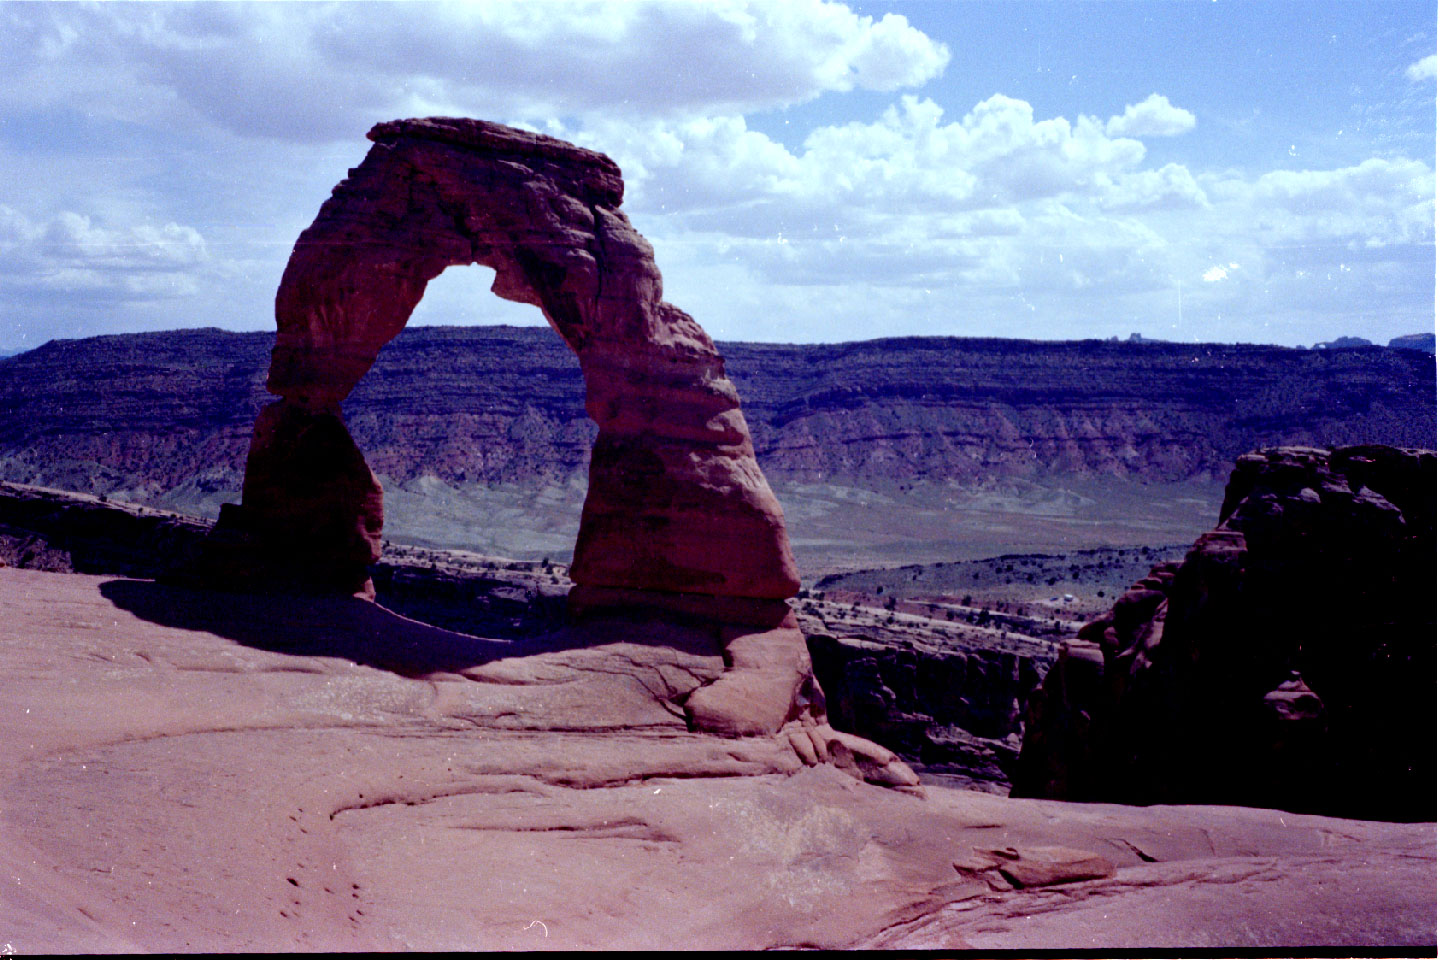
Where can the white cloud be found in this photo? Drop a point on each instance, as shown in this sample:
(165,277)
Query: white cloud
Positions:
(1422,69)
(998,208)
(989,220)
(1170,187)
(70,255)
(722,175)
(1155,116)
(309,72)
(1379,202)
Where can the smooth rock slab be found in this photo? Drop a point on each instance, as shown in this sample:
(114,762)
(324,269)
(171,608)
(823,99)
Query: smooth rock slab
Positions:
(318,779)
(1037,866)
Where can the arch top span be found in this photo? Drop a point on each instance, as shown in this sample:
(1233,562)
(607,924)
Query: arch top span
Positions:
(440,192)
(677,503)
(588,174)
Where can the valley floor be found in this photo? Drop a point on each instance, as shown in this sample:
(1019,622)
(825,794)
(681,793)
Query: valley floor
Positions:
(834,527)
(193,771)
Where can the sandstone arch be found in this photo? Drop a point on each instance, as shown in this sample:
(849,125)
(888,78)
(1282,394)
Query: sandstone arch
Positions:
(678,515)
(677,504)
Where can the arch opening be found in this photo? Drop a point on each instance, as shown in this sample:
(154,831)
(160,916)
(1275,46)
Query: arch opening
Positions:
(450,301)
(472,452)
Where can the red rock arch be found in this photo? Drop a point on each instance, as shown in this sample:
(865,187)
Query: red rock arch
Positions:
(676,504)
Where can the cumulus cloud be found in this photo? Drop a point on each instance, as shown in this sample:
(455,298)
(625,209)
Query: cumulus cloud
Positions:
(71,255)
(1377,202)
(996,153)
(1219,272)
(910,161)
(1170,187)
(309,72)
(959,218)
(996,204)
(1422,69)
(1155,116)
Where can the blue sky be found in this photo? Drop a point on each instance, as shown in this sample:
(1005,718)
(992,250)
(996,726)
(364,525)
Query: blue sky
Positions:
(1219,171)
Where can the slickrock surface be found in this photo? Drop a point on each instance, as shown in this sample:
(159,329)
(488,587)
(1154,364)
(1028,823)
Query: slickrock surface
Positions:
(964,685)
(198,771)
(1288,662)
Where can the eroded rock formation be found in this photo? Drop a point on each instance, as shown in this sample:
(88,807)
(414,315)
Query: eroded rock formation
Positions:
(1288,662)
(677,516)
(393,785)
(676,503)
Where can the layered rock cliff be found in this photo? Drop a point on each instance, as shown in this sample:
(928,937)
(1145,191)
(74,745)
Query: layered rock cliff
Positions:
(147,414)
(1288,662)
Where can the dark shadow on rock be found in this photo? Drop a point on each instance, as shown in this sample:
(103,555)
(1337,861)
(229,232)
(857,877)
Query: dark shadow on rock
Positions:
(317,626)
(370,635)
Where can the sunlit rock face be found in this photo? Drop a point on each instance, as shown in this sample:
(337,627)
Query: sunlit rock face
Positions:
(676,503)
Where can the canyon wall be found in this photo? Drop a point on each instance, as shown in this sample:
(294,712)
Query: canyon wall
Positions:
(150,414)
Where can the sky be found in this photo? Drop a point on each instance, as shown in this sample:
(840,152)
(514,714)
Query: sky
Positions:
(807,171)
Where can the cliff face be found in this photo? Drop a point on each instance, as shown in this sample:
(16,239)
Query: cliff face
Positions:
(142,412)
(948,709)
(1288,662)
(967,409)
(147,413)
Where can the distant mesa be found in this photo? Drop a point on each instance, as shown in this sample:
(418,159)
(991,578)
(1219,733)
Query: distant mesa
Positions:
(1414,341)
(1340,343)
(1410,341)
(1288,662)
(166,418)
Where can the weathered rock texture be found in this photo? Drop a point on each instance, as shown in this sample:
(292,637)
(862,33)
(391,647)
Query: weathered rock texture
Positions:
(950,709)
(1288,662)
(394,786)
(755,681)
(77,533)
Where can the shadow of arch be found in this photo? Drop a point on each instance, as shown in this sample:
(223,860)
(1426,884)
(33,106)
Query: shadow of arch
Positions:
(310,625)
(676,502)
(368,634)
